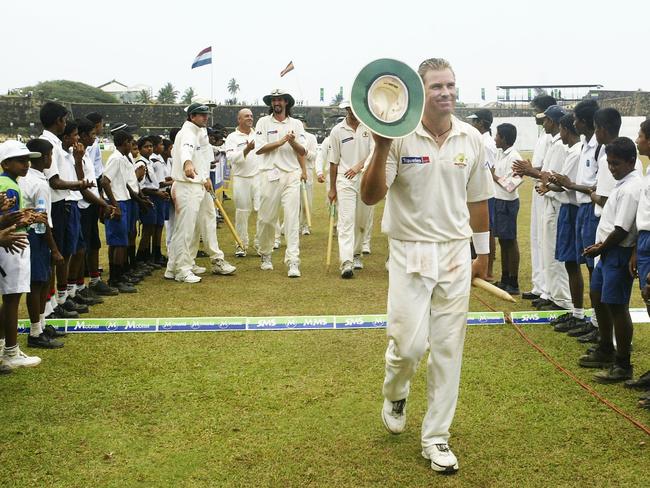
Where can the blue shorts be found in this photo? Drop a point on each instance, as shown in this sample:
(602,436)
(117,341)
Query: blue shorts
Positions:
(66,228)
(491,211)
(40,257)
(156,215)
(117,231)
(134,215)
(505,218)
(586,225)
(643,257)
(90,226)
(565,239)
(611,276)
(165,210)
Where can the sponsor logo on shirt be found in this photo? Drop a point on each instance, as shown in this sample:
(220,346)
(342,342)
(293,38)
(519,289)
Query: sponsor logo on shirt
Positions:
(365,133)
(347,139)
(242,144)
(460,160)
(272,132)
(259,132)
(415,160)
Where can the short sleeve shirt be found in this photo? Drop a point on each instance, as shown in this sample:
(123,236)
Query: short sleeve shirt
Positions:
(620,210)
(429,187)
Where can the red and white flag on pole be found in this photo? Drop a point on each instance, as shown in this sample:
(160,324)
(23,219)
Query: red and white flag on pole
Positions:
(287,69)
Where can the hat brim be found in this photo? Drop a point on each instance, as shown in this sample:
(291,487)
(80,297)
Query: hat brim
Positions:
(411,117)
(473,116)
(541,115)
(127,128)
(288,98)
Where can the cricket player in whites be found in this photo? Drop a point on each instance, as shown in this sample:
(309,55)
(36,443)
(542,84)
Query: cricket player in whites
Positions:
(192,195)
(350,144)
(280,138)
(436,187)
(240,153)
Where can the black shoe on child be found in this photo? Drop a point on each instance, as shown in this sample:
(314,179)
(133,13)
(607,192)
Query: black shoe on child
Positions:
(61,313)
(43,342)
(569,325)
(529,295)
(593,337)
(615,374)
(102,289)
(588,328)
(71,306)
(641,383)
(52,332)
(561,318)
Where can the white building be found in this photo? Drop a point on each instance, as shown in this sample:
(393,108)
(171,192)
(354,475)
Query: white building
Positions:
(124,93)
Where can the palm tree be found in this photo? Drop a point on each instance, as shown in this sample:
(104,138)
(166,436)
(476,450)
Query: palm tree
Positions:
(143,97)
(167,94)
(233,88)
(337,99)
(188,95)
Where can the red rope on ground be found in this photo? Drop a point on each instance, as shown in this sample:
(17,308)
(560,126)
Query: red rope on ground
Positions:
(582,384)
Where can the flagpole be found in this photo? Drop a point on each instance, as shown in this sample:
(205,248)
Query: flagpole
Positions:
(211,81)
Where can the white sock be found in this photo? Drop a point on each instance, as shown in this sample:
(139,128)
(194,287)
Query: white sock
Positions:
(81,287)
(94,280)
(11,351)
(35,329)
(2,346)
(41,318)
(61,295)
(579,313)
(72,290)
(594,320)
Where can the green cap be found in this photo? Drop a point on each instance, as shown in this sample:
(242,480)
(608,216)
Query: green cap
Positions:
(198,108)
(388,98)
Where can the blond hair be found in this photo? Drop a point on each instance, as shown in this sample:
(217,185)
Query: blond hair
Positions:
(435,64)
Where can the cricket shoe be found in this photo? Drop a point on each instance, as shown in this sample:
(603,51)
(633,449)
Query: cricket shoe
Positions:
(266,265)
(441,457)
(198,270)
(240,252)
(365,249)
(188,278)
(305,230)
(276,243)
(294,271)
(357,263)
(222,267)
(347,271)
(393,415)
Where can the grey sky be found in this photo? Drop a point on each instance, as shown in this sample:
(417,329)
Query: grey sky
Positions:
(488,43)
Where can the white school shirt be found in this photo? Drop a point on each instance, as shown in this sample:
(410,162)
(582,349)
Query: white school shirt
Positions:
(587,168)
(429,187)
(570,169)
(620,210)
(158,165)
(322,158)
(490,150)
(503,167)
(68,172)
(149,181)
(242,166)
(192,144)
(269,129)
(643,212)
(347,147)
(605,182)
(88,164)
(541,146)
(118,169)
(554,160)
(58,155)
(96,158)
(33,187)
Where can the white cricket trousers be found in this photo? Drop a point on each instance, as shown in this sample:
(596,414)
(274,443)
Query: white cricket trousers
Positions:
(284,194)
(555,273)
(194,216)
(536,224)
(352,220)
(423,312)
(245,196)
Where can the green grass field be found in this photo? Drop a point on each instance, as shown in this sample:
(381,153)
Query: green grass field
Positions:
(302,408)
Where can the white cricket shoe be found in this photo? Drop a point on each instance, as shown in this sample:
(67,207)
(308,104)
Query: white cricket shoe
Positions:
(365,249)
(358,264)
(441,457)
(294,271)
(188,278)
(198,270)
(169,275)
(346,270)
(276,243)
(393,414)
(305,230)
(20,360)
(240,252)
(266,265)
(222,267)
